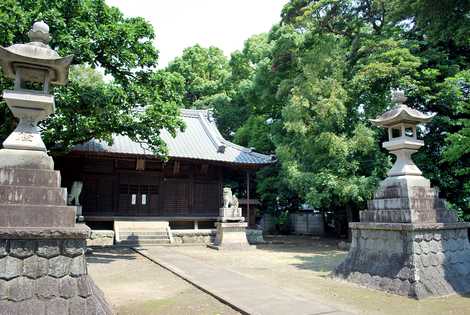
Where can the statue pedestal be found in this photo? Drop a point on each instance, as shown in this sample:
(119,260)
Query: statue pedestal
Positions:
(78,214)
(408,243)
(231,215)
(231,236)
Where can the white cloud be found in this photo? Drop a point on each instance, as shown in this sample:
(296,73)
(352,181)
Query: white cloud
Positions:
(222,23)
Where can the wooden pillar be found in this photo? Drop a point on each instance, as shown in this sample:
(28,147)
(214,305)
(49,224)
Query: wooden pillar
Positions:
(248,210)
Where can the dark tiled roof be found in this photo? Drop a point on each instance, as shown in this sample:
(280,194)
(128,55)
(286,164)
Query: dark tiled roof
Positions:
(201,140)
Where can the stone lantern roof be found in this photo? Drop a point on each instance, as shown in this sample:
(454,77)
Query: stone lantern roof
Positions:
(38,54)
(401,113)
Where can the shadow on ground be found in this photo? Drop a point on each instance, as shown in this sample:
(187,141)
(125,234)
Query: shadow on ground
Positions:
(321,262)
(316,254)
(109,254)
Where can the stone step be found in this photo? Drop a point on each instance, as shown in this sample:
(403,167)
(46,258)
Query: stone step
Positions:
(161,237)
(146,238)
(33,195)
(20,215)
(29,177)
(140,242)
(142,233)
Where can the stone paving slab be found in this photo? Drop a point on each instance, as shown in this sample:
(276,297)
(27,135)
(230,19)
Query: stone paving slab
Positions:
(246,295)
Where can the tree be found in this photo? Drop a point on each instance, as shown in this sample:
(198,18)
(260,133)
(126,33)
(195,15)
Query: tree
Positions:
(89,107)
(438,33)
(204,71)
(331,66)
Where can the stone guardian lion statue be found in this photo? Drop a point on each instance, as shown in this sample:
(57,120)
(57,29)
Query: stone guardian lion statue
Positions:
(75,192)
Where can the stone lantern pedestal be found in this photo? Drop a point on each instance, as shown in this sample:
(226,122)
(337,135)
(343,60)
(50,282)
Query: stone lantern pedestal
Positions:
(43,268)
(407,242)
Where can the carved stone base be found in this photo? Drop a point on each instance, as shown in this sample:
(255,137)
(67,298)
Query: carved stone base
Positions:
(231,236)
(415,260)
(44,271)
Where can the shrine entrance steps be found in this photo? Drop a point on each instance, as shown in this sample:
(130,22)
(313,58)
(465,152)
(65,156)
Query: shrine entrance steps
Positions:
(137,233)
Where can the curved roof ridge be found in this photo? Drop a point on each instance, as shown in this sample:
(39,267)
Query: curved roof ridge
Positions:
(211,134)
(193,113)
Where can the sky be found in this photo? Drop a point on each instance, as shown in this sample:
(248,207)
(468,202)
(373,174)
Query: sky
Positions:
(183,23)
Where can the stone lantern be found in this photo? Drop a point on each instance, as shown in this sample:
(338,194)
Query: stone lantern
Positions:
(42,250)
(407,242)
(401,124)
(34,67)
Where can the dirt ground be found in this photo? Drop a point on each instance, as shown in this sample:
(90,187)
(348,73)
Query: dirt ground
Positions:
(302,264)
(136,286)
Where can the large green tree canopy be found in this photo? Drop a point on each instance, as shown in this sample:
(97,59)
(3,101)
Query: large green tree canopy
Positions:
(306,90)
(90,106)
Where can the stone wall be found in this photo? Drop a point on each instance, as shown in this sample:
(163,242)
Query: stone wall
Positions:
(47,277)
(255,236)
(307,223)
(416,262)
(193,236)
(101,238)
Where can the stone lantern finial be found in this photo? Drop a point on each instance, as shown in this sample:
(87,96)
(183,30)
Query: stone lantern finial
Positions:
(39,33)
(398,97)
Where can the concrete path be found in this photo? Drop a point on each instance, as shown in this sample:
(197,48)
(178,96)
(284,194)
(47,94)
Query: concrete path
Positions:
(246,295)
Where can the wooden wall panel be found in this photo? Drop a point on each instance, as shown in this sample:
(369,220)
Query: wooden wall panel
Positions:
(206,197)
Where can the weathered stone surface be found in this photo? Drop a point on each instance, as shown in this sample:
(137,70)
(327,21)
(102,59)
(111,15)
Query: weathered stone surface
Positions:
(68,287)
(25,159)
(10,194)
(31,307)
(48,248)
(80,231)
(424,267)
(92,303)
(59,266)
(231,235)
(10,267)
(8,308)
(22,248)
(35,267)
(45,274)
(74,248)
(24,215)
(77,306)
(84,286)
(3,290)
(3,248)
(56,306)
(47,287)
(78,266)
(255,236)
(29,177)
(101,238)
(20,289)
